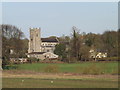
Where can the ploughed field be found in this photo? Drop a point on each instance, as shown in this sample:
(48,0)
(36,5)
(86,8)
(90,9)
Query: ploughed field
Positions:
(63,75)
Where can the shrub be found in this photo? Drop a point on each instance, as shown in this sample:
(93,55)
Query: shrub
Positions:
(86,70)
(9,67)
(109,59)
(73,59)
(115,72)
(93,69)
(33,59)
(52,69)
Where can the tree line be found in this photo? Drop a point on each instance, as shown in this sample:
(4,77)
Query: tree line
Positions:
(71,48)
(77,46)
(14,43)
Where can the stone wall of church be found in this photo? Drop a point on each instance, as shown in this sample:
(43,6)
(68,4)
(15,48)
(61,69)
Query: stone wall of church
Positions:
(35,41)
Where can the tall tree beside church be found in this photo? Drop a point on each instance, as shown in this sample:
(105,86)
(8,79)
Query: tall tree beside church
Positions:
(60,49)
(75,44)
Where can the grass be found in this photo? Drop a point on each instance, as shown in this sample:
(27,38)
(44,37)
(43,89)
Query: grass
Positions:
(41,75)
(81,68)
(56,83)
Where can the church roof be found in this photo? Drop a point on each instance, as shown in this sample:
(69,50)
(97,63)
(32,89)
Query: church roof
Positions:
(49,39)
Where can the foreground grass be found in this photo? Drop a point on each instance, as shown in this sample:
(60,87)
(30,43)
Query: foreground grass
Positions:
(57,83)
(82,68)
(76,75)
(53,75)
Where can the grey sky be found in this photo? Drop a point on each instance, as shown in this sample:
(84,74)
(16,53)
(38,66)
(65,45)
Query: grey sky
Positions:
(56,19)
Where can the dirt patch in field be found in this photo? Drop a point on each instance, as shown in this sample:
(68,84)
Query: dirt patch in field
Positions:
(32,74)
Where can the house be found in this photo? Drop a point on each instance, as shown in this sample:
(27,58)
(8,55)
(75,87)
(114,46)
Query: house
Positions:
(49,55)
(41,48)
(97,53)
(48,44)
(18,60)
(43,55)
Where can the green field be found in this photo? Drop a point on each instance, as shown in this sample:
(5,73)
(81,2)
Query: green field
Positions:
(57,83)
(63,75)
(82,68)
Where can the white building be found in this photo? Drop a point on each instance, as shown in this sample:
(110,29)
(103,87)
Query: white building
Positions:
(97,54)
(41,48)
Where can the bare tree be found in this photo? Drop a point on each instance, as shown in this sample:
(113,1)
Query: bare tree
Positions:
(75,43)
(12,40)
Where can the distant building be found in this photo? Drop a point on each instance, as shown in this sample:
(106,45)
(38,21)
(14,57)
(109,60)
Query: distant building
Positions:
(41,48)
(97,54)
(18,60)
(48,44)
(35,40)
(43,55)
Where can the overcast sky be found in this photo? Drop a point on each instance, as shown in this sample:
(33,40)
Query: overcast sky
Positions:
(56,19)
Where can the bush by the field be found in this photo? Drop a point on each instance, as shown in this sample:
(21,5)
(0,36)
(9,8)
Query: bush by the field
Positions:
(98,68)
(52,69)
(92,69)
(9,67)
(80,68)
(73,60)
(109,59)
(33,59)
(52,61)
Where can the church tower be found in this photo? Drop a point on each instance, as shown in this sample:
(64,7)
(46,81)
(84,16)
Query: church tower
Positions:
(35,40)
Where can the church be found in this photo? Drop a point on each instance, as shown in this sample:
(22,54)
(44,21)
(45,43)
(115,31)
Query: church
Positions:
(41,48)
